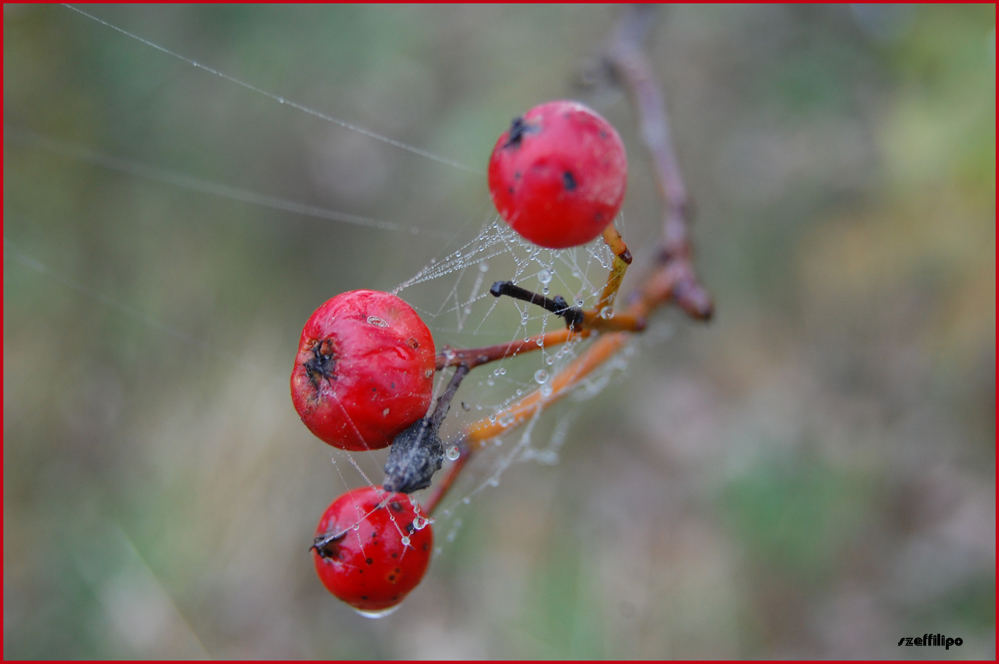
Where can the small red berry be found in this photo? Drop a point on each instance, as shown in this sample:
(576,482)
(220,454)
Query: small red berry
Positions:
(558,175)
(369,551)
(364,370)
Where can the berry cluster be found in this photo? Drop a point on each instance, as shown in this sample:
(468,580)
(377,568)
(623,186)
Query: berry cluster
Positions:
(364,373)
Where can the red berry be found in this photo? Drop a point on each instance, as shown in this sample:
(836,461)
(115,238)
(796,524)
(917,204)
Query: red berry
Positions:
(558,175)
(374,566)
(364,370)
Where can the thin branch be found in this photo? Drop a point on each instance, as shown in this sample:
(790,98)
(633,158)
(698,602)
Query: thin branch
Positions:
(633,70)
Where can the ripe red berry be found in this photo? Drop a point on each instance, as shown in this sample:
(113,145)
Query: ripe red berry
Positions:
(369,550)
(558,175)
(364,370)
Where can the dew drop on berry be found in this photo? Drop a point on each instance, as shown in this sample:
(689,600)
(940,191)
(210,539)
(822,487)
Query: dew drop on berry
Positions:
(452,453)
(545,277)
(404,540)
(376,321)
(541,376)
(419,523)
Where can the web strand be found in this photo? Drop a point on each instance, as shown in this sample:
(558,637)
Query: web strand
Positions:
(287,102)
(144,171)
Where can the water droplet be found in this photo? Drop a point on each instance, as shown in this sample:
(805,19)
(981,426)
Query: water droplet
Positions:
(546,390)
(381,613)
(541,342)
(550,359)
(541,376)
(404,540)
(449,354)
(457,254)
(493,481)
(420,522)
(375,320)
(520,392)
(579,303)
(490,382)
(492,419)
(357,526)
(452,453)
(545,277)
(502,372)
(524,315)
(467,310)
(545,290)
(607,313)
(466,500)
(483,267)
(576,274)
(506,419)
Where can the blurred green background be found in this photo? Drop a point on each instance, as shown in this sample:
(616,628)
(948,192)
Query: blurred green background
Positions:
(810,475)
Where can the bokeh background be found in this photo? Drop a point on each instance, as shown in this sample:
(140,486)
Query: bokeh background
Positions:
(810,475)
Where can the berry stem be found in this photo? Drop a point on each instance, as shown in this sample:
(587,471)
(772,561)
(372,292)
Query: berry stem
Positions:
(622,259)
(473,357)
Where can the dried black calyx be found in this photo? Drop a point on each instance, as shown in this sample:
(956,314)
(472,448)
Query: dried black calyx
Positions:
(518,129)
(417,453)
(327,546)
(322,362)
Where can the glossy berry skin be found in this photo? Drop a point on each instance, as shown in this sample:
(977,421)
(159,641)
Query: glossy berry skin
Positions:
(371,568)
(558,175)
(364,370)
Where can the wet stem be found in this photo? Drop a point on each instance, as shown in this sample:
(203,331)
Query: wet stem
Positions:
(671,279)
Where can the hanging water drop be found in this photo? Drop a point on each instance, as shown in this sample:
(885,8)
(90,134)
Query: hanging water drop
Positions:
(550,359)
(546,390)
(381,613)
(545,277)
(404,540)
(607,313)
(506,419)
(452,453)
(483,267)
(541,376)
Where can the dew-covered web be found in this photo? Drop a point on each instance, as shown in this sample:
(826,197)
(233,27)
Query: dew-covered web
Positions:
(451,292)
